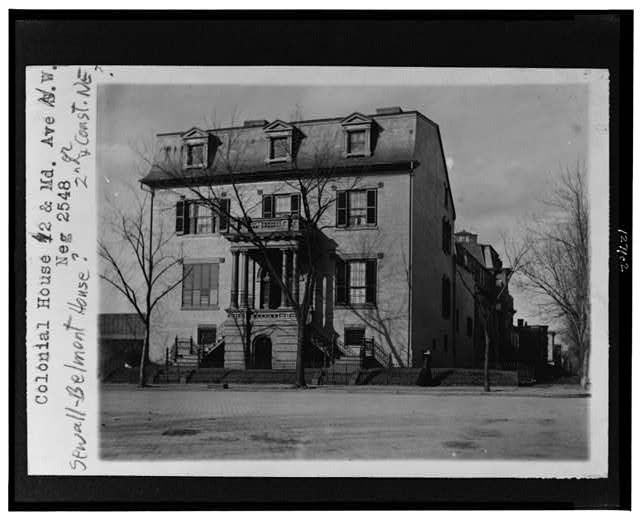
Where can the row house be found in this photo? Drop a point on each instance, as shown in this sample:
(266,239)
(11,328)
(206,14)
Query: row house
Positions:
(482,284)
(385,275)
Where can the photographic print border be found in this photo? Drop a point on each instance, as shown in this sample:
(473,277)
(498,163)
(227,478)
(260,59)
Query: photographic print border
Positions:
(571,40)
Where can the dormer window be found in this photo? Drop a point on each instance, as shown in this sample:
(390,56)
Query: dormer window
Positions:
(196,147)
(356,142)
(278,148)
(195,155)
(279,141)
(357,135)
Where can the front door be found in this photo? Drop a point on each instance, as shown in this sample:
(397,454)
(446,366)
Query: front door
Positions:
(262,352)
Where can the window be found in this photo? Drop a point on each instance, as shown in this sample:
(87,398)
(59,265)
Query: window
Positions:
(199,218)
(200,285)
(446,197)
(278,148)
(280,205)
(356,282)
(469,326)
(195,155)
(356,142)
(357,208)
(354,336)
(457,320)
(446,236)
(446,297)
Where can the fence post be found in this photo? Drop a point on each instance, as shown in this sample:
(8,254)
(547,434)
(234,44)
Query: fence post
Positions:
(175,350)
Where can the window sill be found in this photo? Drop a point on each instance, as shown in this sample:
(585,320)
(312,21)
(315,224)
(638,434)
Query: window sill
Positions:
(355,228)
(201,235)
(200,308)
(190,166)
(278,160)
(342,306)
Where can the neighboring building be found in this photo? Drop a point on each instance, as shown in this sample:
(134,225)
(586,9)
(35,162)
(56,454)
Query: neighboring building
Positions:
(388,274)
(120,339)
(480,281)
(533,347)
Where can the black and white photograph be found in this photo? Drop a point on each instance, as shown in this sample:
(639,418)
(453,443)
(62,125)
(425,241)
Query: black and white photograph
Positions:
(346,272)
(319,271)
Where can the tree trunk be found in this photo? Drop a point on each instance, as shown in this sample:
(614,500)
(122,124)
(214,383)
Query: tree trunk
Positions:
(300,382)
(584,369)
(487,388)
(144,357)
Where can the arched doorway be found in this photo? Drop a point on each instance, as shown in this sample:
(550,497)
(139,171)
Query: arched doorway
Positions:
(262,352)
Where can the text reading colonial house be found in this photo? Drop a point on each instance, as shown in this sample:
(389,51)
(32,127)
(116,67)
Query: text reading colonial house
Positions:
(384,279)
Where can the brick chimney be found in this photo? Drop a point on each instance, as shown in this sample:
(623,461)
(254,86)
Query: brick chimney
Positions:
(387,111)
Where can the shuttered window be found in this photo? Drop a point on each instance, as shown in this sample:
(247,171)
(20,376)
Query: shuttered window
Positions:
(446,236)
(356,282)
(446,297)
(180,217)
(200,285)
(357,208)
(223,215)
(280,205)
(194,217)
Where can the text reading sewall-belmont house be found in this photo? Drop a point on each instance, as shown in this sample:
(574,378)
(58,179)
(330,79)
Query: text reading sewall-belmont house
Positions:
(335,232)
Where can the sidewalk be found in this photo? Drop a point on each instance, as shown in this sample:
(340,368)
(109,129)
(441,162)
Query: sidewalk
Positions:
(545,391)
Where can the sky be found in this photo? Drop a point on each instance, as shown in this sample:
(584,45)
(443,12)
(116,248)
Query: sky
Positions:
(505,145)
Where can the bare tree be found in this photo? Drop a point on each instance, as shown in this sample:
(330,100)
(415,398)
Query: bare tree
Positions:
(557,267)
(136,264)
(313,183)
(489,296)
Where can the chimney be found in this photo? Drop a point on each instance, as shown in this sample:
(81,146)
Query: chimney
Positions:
(386,111)
(520,322)
(253,123)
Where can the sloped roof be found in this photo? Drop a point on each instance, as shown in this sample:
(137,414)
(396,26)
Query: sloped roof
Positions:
(243,150)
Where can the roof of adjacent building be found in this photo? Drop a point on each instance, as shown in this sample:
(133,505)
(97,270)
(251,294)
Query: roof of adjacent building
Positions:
(317,143)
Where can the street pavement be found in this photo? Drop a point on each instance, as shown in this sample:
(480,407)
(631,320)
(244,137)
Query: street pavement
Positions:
(352,422)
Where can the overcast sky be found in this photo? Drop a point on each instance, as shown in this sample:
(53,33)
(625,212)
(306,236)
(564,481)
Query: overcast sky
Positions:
(504,145)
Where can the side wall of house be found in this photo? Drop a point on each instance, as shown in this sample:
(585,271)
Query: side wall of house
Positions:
(465,310)
(430,263)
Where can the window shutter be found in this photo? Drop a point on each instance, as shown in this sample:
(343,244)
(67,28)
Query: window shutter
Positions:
(341,282)
(267,206)
(180,217)
(341,209)
(372,207)
(187,284)
(213,283)
(187,220)
(444,235)
(295,204)
(371,281)
(223,214)
(446,297)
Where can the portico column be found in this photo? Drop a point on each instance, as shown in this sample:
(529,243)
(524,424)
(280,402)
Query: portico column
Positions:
(234,279)
(283,298)
(294,269)
(252,282)
(244,276)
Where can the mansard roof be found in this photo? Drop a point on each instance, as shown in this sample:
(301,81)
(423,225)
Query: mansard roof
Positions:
(318,142)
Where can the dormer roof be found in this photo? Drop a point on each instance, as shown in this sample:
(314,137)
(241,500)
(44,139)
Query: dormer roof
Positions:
(195,133)
(278,126)
(356,119)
